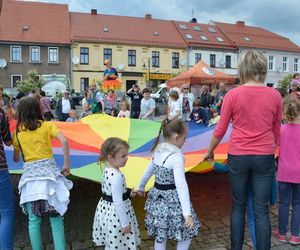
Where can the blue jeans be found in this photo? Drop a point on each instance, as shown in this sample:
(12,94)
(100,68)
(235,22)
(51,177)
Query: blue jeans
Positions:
(251,220)
(7,212)
(256,173)
(289,192)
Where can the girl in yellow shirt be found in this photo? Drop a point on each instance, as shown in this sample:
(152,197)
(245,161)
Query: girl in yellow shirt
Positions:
(43,187)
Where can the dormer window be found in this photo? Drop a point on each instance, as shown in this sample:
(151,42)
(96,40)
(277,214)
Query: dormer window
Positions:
(204,38)
(105,29)
(183,27)
(197,28)
(188,36)
(211,30)
(155,33)
(247,39)
(219,39)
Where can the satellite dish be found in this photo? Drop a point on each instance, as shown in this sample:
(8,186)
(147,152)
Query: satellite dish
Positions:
(75,60)
(183,62)
(121,66)
(3,63)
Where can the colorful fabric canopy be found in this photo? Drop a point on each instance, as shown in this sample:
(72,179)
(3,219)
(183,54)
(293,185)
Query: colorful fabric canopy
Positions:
(86,136)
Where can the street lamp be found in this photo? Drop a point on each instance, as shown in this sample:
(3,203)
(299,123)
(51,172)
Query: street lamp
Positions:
(146,64)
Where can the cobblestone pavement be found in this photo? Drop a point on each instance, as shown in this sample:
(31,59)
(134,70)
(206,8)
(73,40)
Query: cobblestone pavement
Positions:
(210,196)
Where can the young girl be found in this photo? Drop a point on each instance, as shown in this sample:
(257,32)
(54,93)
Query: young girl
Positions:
(115,225)
(43,187)
(110,103)
(174,109)
(289,172)
(169,212)
(124,112)
(72,116)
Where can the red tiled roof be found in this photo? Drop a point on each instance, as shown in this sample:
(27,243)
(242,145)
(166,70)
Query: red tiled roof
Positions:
(122,29)
(196,40)
(47,23)
(259,37)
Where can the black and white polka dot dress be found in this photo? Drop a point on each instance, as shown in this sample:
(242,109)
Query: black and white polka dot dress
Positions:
(107,226)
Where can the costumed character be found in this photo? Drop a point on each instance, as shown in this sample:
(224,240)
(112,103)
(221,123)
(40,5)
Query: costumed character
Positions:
(110,80)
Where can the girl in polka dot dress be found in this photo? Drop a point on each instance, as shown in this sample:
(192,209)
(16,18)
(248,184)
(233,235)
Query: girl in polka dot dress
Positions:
(115,225)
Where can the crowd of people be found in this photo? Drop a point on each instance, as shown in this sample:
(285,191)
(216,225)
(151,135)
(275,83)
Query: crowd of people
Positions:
(257,131)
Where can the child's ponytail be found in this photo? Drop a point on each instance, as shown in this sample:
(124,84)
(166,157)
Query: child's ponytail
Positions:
(291,109)
(163,124)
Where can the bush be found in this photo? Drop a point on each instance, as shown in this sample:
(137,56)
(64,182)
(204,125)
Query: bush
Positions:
(32,82)
(284,84)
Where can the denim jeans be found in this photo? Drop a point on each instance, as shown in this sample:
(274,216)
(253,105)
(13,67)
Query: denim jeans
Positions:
(256,173)
(7,212)
(251,221)
(289,192)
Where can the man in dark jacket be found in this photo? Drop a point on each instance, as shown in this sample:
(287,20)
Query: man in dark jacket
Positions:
(64,105)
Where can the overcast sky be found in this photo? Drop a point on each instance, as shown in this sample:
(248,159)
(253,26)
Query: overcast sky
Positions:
(279,16)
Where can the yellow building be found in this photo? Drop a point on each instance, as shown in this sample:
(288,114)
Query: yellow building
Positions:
(135,46)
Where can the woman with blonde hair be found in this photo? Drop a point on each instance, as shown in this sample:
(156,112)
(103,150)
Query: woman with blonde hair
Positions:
(255,112)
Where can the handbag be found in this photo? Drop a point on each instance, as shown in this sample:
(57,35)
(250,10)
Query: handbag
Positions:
(48,115)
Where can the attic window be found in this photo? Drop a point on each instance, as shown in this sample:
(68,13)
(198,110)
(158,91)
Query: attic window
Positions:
(220,39)
(155,33)
(197,28)
(105,29)
(211,30)
(247,39)
(188,36)
(204,38)
(25,27)
(183,27)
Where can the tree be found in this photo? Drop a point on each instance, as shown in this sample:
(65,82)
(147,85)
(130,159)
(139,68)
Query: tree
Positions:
(284,84)
(31,82)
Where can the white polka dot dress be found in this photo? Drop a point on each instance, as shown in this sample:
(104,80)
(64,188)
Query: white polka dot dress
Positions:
(107,226)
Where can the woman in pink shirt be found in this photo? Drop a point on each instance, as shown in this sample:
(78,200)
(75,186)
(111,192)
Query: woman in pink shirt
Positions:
(289,172)
(255,113)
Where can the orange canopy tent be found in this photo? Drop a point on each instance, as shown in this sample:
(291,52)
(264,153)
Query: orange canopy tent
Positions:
(201,73)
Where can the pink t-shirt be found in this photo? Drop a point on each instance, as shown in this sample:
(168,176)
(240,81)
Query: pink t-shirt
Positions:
(255,112)
(289,154)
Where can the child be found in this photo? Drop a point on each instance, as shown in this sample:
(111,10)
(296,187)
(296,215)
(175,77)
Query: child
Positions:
(147,106)
(86,110)
(124,112)
(174,110)
(199,114)
(169,212)
(43,187)
(73,116)
(214,116)
(289,172)
(115,225)
(136,97)
(110,103)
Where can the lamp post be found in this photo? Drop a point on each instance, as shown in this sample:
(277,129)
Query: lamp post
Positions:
(146,64)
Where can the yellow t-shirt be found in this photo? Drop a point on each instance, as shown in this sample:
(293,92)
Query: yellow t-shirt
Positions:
(36,144)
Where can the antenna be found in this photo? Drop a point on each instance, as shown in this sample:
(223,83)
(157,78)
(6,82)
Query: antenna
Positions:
(192,13)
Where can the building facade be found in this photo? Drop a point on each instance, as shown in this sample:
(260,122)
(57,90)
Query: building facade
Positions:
(39,42)
(145,51)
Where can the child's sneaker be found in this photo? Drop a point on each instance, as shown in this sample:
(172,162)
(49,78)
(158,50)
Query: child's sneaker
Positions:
(294,240)
(280,237)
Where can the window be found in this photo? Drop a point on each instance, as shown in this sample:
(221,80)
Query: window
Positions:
(15,54)
(285,64)
(247,39)
(84,55)
(211,30)
(204,38)
(197,57)
(105,29)
(84,83)
(35,55)
(155,59)
(175,60)
(212,58)
(228,61)
(219,39)
(107,54)
(131,57)
(53,55)
(155,33)
(15,79)
(183,27)
(296,66)
(188,36)
(271,63)
(196,28)
(270,84)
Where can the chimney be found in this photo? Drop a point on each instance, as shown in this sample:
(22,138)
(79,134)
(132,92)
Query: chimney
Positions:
(240,23)
(193,20)
(148,16)
(94,11)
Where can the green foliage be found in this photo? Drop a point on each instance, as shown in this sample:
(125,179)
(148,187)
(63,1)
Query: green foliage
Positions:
(31,82)
(285,82)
